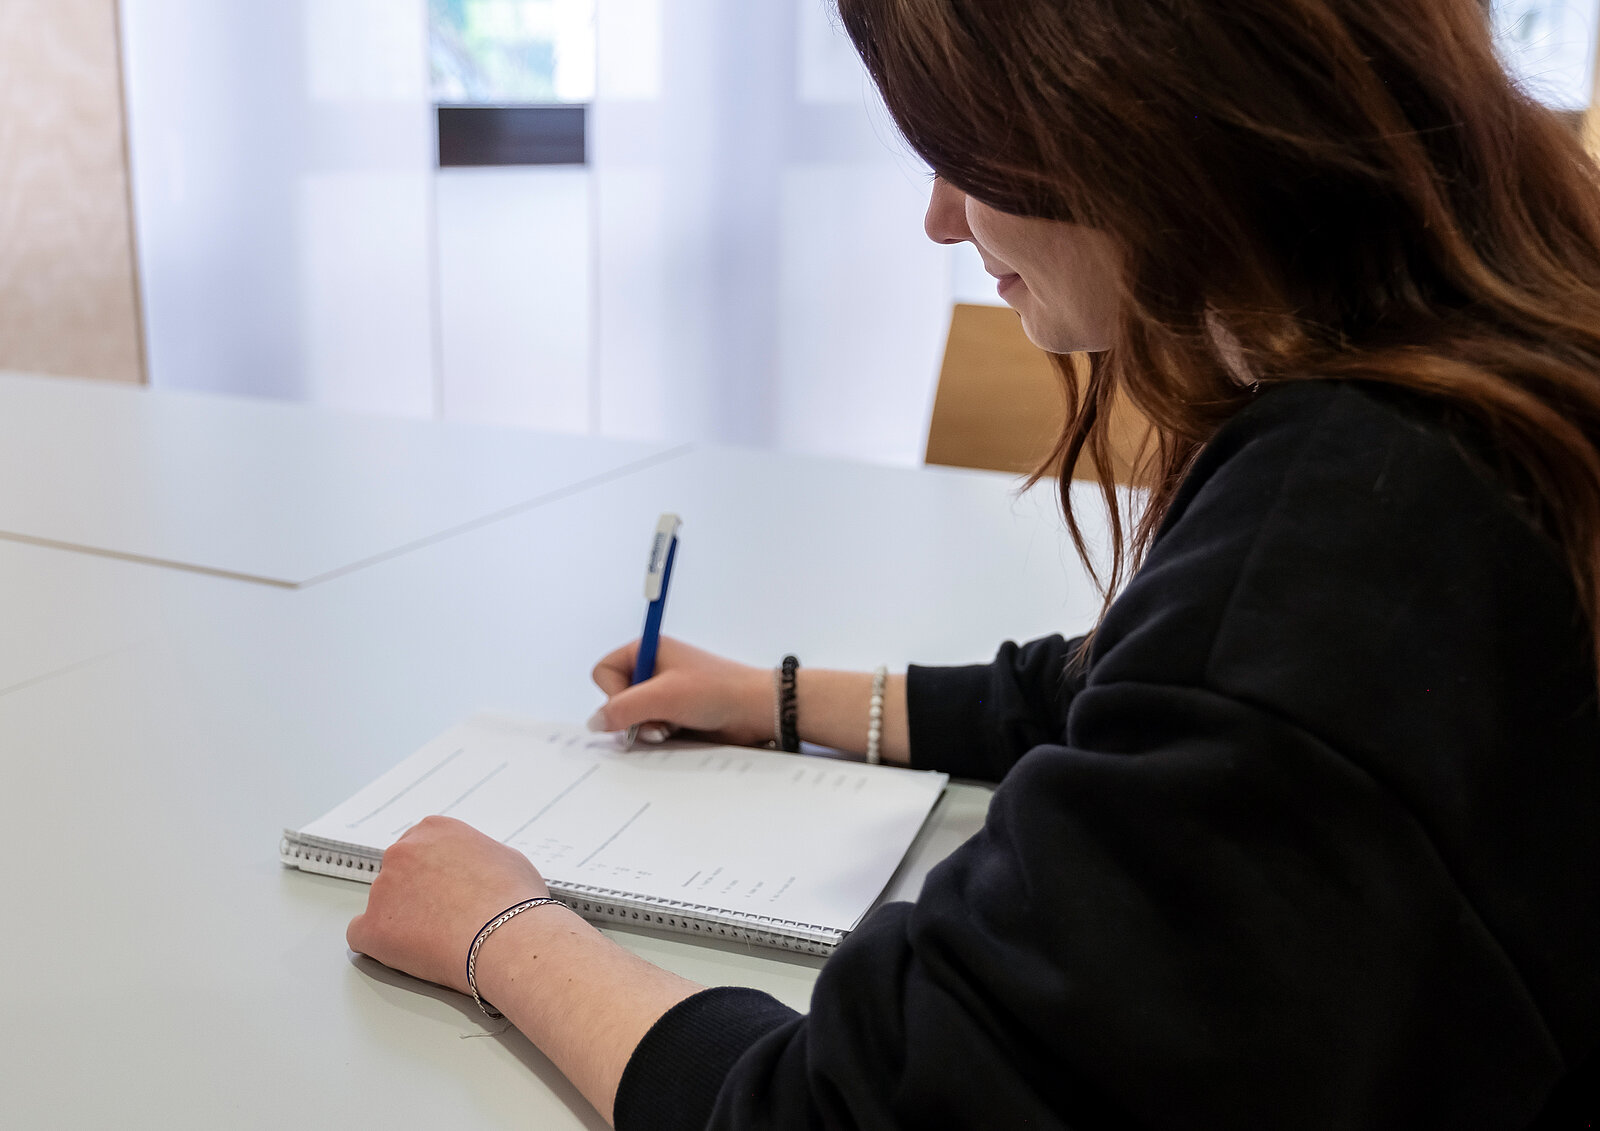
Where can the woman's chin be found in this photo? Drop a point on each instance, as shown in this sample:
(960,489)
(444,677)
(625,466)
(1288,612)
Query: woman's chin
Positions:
(1046,337)
(1052,337)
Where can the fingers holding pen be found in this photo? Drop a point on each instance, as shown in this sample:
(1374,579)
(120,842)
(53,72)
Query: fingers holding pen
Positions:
(614,672)
(645,705)
(691,690)
(659,683)
(633,707)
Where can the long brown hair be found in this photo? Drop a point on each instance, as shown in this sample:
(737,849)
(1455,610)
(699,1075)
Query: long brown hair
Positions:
(1301,189)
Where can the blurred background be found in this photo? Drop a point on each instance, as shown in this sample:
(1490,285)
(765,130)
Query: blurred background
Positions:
(661,219)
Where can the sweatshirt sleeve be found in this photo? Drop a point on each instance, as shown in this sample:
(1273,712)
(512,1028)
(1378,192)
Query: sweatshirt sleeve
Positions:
(672,1079)
(1287,864)
(975,721)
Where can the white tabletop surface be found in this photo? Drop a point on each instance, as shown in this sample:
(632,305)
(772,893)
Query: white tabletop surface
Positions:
(166,971)
(263,490)
(60,610)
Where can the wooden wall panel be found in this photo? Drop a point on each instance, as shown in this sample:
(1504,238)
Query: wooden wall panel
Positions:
(68,282)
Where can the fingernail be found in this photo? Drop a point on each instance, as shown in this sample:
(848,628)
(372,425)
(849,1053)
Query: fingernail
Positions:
(597,721)
(653,733)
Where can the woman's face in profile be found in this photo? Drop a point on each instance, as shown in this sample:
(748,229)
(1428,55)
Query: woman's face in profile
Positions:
(1060,278)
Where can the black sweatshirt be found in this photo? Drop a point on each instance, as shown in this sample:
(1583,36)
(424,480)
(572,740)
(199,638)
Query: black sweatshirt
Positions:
(1313,839)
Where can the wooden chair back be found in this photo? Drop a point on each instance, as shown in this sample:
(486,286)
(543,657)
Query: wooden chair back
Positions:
(1001,403)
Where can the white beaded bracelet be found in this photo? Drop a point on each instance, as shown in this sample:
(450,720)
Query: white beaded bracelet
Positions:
(488,929)
(880,676)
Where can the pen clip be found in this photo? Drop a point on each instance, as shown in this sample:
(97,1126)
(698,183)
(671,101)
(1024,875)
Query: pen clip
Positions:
(660,548)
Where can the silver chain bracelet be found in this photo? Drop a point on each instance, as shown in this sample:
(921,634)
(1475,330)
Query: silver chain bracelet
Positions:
(488,929)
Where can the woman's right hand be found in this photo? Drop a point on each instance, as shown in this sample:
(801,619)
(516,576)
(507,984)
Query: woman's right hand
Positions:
(691,690)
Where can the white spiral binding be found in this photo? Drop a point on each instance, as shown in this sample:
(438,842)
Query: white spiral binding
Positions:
(597,904)
(326,859)
(607,905)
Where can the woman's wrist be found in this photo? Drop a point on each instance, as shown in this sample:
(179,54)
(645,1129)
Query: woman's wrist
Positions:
(509,962)
(835,711)
(582,999)
(756,705)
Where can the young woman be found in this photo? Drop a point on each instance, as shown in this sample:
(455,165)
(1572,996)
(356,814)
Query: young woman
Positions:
(1307,832)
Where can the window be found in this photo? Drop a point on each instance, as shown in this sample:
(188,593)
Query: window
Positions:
(1549,45)
(511,80)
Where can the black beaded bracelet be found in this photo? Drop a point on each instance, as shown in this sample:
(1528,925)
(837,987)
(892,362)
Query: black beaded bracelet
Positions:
(788,714)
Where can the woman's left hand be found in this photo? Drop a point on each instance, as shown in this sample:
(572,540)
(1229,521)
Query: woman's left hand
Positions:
(439,884)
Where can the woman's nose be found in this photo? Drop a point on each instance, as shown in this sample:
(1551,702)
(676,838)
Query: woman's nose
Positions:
(946,219)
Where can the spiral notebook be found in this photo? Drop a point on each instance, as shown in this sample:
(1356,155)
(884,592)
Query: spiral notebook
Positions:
(779,849)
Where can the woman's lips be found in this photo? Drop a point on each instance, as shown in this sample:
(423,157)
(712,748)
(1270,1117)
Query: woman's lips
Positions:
(1006,283)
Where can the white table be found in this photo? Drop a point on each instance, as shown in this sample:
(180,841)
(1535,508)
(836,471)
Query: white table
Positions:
(261,490)
(165,971)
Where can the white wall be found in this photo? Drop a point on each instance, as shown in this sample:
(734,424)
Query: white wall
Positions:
(281,155)
(865,299)
(742,262)
(762,276)
(515,295)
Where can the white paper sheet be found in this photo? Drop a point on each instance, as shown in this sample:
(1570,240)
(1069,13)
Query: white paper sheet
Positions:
(800,839)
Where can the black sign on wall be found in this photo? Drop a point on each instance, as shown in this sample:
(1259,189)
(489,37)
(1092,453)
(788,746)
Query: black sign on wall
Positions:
(512,135)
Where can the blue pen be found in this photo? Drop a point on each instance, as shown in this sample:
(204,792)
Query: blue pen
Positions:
(663,548)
